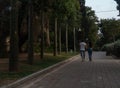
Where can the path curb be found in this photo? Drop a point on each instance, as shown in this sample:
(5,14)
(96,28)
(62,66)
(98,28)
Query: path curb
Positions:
(36,74)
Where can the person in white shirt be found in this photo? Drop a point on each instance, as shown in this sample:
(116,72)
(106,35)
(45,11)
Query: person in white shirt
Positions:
(82,49)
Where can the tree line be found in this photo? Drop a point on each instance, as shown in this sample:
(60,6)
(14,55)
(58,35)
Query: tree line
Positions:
(49,23)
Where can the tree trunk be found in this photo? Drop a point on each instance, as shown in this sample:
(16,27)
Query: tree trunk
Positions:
(74,40)
(30,34)
(13,59)
(3,43)
(42,35)
(60,40)
(47,30)
(55,38)
(66,38)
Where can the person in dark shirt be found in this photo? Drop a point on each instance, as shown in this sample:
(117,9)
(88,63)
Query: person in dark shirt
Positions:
(89,47)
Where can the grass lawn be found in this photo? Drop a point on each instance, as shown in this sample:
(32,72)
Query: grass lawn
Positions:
(26,69)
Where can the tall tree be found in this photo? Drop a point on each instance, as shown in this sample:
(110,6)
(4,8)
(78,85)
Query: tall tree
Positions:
(59,40)
(88,26)
(55,37)
(4,30)
(92,27)
(22,23)
(118,6)
(30,33)
(74,37)
(56,9)
(83,20)
(67,12)
(43,8)
(66,38)
(13,60)
(110,29)
(42,35)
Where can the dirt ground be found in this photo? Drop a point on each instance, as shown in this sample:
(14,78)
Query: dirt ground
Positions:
(4,66)
(4,62)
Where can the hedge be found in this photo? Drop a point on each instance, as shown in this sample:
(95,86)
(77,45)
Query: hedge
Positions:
(112,48)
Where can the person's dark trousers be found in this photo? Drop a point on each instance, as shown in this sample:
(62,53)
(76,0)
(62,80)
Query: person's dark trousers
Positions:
(90,54)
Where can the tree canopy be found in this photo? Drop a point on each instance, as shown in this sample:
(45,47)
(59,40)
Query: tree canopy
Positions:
(110,29)
(118,6)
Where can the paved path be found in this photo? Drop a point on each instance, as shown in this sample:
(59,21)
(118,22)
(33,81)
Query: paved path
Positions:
(102,72)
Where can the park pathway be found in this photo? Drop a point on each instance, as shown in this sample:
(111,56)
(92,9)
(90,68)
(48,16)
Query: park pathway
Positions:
(102,72)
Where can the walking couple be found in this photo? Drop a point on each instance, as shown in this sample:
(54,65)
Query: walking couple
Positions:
(83,47)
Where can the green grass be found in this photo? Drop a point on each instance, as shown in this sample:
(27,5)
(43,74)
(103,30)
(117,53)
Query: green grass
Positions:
(26,69)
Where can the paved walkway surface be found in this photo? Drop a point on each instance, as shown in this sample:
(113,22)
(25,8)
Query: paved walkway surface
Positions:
(102,72)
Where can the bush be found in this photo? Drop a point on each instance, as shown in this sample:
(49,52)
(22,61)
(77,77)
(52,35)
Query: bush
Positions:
(117,48)
(112,48)
(108,48)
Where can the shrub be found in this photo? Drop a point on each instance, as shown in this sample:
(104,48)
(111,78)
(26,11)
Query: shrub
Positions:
(112,48)
(117,48)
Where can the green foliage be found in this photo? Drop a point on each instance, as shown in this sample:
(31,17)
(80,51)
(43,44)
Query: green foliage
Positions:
(117,48)
(66,9)
(42,5)
(110,28)
(118,2)
(90,28)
